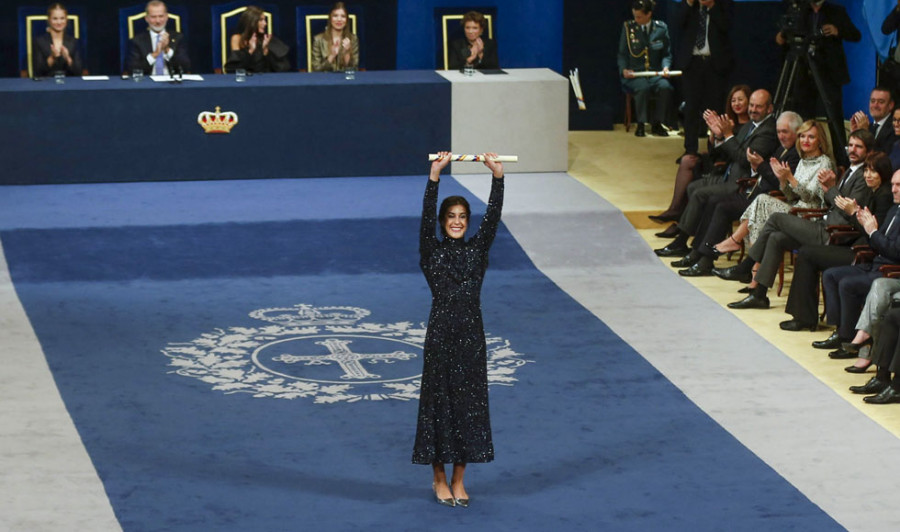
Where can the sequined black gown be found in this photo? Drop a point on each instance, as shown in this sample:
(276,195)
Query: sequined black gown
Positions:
(454,424)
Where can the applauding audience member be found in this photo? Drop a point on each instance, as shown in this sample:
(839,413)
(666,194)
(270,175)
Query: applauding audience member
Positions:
(881,106)
(253,48)
(737,106)
(474,49)
(157,51)
(56,50)
(801,188)
(813,259)
(758,135)
(336,48)
(721,211)
(784,232)
(846,287)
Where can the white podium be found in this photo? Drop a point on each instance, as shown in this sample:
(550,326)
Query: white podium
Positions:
(524,112)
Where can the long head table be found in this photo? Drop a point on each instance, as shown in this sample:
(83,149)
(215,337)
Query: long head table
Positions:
(289,125)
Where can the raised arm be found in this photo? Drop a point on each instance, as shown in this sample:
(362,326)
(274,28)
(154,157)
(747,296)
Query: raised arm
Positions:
(427,239)
(488,228)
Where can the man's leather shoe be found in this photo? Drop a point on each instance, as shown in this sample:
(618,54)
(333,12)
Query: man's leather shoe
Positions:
(832,342)
(795,325)
(696,270)
(670,232)
(840,354)
(733,274)
(683,262)
(873,386)
(886,397)
(751,301)
(676,250)
(639,131)
(659,131)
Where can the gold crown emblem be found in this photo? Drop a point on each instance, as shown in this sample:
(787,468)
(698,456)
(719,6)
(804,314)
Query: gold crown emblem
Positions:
(217,122)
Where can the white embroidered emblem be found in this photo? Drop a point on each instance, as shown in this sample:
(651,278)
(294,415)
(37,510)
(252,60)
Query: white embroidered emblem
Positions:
(323,353)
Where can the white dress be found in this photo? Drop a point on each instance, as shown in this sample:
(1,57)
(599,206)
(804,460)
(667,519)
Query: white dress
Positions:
(808,194)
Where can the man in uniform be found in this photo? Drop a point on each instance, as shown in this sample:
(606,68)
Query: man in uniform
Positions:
(644,46)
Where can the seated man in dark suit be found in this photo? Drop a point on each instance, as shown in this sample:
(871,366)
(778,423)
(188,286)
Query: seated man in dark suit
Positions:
(758,135)
(156,51)
(846,287)
(881,389)
(722,211)
(881,107)
(803,299)
(784,231)
(644,46)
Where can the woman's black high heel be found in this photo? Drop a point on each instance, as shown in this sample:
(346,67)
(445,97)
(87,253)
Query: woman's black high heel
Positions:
(715,252)
(854,348)
(857,369)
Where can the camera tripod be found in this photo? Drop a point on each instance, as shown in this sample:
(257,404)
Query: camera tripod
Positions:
(798,56)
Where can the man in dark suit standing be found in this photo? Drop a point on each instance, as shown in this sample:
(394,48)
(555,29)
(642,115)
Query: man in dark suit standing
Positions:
(644,46)
(706,58)
(757,135)
(881,107)
(826,26)
(157,51)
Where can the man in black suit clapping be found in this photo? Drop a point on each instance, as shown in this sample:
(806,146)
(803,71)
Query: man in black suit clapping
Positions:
(157,51)
(757,135)
(881,107)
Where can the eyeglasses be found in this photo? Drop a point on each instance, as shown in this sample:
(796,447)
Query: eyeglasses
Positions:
(896,120)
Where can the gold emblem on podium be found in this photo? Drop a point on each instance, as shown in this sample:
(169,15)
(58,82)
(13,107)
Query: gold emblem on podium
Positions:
(217,122)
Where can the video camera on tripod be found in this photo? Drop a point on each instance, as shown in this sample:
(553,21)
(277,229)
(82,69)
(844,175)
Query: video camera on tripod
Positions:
(797,34)
(802,41)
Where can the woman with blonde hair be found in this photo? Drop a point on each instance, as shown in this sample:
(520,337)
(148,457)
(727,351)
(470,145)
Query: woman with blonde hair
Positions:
(800,189)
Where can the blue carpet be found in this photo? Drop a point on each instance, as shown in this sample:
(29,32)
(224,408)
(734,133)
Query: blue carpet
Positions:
(149,335)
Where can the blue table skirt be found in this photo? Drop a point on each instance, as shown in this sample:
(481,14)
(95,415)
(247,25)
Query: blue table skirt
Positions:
(289,125)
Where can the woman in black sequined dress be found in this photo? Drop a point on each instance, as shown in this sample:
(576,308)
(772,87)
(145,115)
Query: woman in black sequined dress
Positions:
(454,423)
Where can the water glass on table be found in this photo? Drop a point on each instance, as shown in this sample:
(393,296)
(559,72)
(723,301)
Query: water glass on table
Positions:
(240,75)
